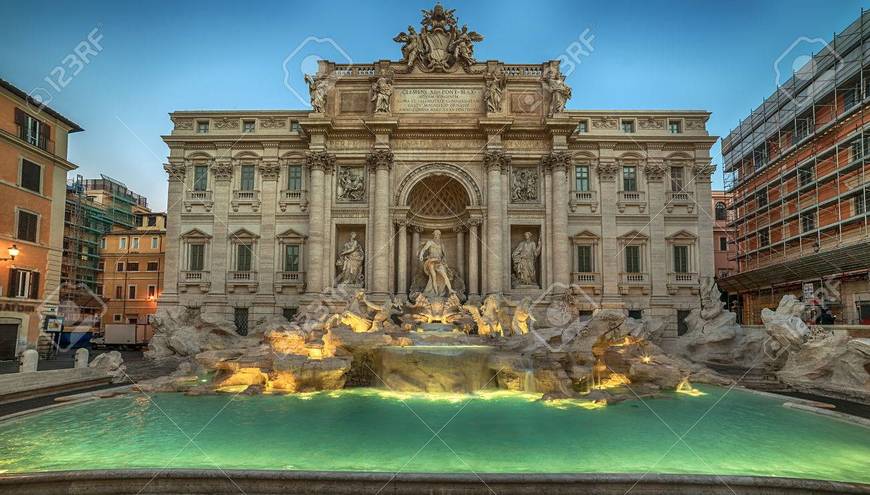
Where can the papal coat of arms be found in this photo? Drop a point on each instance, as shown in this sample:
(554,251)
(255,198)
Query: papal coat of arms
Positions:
(440,45)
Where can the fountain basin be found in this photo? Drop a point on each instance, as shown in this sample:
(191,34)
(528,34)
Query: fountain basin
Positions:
(435,368)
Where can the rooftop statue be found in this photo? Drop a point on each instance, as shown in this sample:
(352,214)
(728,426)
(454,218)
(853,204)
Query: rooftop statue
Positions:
(440,45)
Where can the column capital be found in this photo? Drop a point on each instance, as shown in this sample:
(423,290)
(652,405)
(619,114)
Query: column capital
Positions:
(703,169)
(320,160)
(223,170)
(176,171)
(557,161)
(380,158)
(607,169)
(269,169)
(401,222)
(496,159)
(473,222)
(654,170)
(416,228)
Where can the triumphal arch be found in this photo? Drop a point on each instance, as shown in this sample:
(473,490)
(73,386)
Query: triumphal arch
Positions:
(439,173)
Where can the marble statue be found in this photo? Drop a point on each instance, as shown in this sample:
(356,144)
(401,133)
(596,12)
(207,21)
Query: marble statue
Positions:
(440,45)
(433,258)
(382,90)
(495,82)
(413,46)
(317,87)
(523,318)
(785,324)
(462,47)
(560,92)
(351,184)
(351,259)
(524,258)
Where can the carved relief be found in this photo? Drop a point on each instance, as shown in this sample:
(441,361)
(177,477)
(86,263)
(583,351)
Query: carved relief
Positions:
(183,124)
(222,170)
(607,170)
(226,123)
(655,170)
(440,46)
(604,123)
(694,124)
(351,184)
(273,123)
(524,185)
(651,123)
(270,170)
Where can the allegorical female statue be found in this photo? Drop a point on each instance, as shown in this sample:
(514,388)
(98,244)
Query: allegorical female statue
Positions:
(524,260)
(351,261)
(434,262)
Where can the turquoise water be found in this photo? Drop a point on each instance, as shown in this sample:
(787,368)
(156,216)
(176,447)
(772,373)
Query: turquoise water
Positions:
(368,430)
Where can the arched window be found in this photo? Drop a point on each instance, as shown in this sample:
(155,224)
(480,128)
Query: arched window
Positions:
(721,211)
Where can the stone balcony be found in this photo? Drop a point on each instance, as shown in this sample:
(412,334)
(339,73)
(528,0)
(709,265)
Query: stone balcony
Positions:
(587,280)
(246,198)
(198,198)
(680,198)
(638,281)
(682,280)
(196,278)
(290,280)
(631,198)
(241,279)
(584,198)
(290,197)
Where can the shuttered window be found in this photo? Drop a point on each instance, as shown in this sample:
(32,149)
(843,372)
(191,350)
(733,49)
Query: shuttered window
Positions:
(31,176)
(27,225)
(23,284)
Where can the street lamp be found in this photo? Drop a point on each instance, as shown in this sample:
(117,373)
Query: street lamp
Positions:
(13,252)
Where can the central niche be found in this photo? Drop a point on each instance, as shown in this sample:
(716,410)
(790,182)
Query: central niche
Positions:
(437,197)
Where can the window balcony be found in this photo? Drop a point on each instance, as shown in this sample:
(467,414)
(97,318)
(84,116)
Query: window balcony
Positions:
(194,278)
(628,281)
(290,279)
(587,280)
(198,198)
(678,280)
(249,197)
(293,197)
(236,279)
(680,198)
(631,198)
(584,198)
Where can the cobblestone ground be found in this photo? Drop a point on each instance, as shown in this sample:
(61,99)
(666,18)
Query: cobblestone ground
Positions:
(138,367)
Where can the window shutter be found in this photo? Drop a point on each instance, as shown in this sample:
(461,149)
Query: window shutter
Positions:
(34,285)
(13,282)
(45,131)
(19,117)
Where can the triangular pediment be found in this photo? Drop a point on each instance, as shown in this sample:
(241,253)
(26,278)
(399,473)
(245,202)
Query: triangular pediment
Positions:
(291,234)
(633,235)
(244,233)
(681,235)
(195,234)
(586,235)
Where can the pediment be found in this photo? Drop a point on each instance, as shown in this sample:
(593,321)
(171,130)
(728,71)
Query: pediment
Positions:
(244,234)
(586,235)
(681,235)
(195,234)
(633,235)
(291,234)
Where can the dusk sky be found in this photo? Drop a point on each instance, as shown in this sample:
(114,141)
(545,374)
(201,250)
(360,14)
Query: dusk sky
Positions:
(158,57)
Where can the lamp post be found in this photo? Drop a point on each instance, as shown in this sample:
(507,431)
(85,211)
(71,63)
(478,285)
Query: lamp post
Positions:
(13,252)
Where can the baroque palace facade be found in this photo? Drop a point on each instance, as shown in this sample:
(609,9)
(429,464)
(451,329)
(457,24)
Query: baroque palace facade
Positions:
(269,210)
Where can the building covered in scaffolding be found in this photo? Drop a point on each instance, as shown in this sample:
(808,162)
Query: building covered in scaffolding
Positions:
(797,172)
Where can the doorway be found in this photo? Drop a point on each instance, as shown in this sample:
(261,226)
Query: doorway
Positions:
(8,340)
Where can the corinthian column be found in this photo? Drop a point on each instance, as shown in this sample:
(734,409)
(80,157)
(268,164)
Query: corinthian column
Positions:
(176,171)
(473,263)
(558,163)
(382,161)
(495,161)
(402,271)
(318,162)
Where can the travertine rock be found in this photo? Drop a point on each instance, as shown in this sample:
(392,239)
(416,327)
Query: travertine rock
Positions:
(183,332)
(785,324)
(836,364)
(112,363)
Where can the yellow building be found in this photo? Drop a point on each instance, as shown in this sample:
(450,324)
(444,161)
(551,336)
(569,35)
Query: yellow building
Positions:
(131,263)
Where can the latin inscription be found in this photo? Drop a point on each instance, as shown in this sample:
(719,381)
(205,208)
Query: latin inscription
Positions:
(439,100)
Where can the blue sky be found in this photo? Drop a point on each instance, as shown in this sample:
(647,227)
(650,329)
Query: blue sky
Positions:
(158,57)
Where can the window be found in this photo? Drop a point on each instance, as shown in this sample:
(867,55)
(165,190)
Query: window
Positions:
(723,243)
(583,126)
(291,258)
(99,290)
(857,149)
(763,237)
(132,266)
(32,130)
(681,259)
(240,318)
(295,126)
(244,254)
(682,326)
(101,266)
(202,127)
(102,243)
(135,243)
(155,242)
(294,178)
(759,156)
(808,220)
(803,127)
(152,220)
(806,174)
(676,179)
(119,267)
(200,178)
(632,259)
(861,202)
(629,178)
(131,292)
(248,126)
(23,284)
(289,313)
(122,243)
(119,292)
(196,257)
(31,176)
(761,197)
(721,211)
(581,178)
(850,98)
(246,183)
(152,266)
(152,292)
(675,127)
(28,224)
(628,126)
(584,259)
(116,318)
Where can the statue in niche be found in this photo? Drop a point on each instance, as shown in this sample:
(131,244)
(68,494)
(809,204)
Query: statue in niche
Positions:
(433,259)
(525,185)
(560,92)
(317,87)
(382,90)
(351,184)
(495,82)
(351,261)
(524,259)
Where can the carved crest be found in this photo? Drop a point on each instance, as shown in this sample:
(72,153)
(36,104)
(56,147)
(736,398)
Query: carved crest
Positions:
(440,46)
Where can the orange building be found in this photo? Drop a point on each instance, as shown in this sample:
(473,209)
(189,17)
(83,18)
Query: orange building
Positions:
(33,168)
(799,175)
(131,269)
(724,247)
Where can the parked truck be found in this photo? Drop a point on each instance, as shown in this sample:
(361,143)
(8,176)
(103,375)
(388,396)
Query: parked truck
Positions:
(124,336)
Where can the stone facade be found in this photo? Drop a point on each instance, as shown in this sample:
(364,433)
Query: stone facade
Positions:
(482,152)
